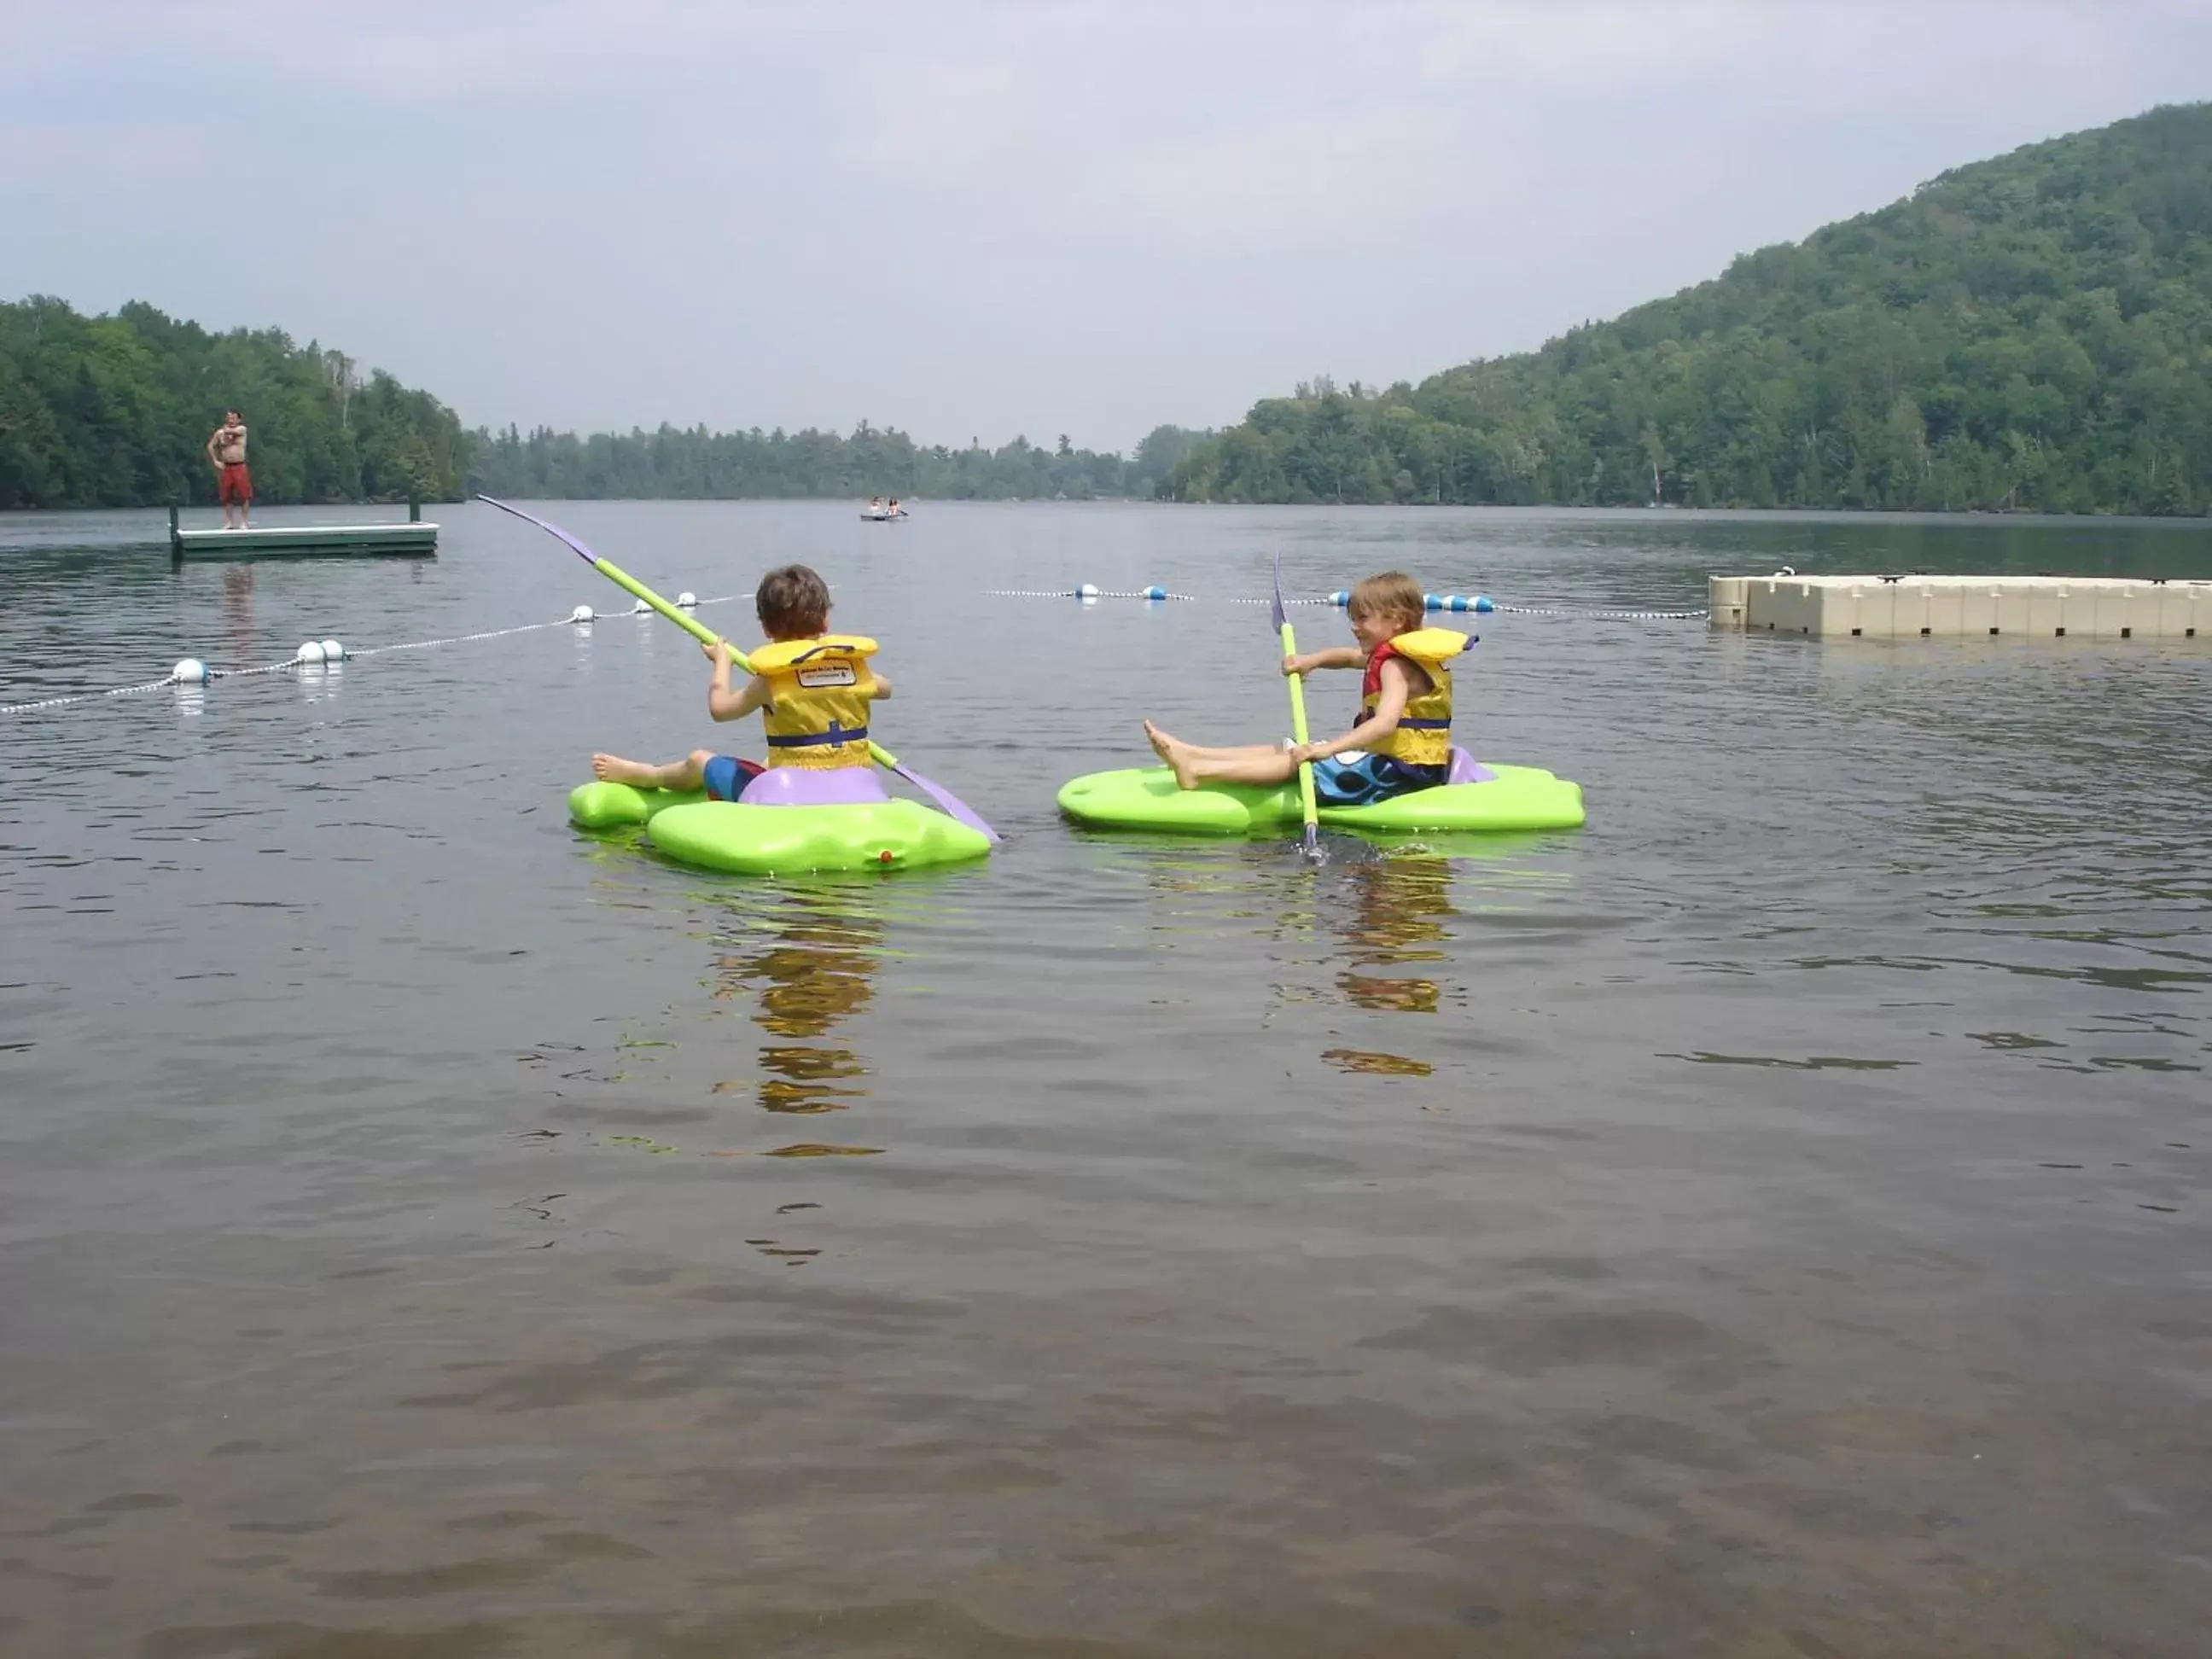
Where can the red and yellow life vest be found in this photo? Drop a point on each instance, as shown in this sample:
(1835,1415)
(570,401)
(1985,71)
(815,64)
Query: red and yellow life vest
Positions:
(1424,733)
(817,714)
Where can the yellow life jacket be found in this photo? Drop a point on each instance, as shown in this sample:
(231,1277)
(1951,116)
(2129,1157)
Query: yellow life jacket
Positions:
(817,714)
(1424,733)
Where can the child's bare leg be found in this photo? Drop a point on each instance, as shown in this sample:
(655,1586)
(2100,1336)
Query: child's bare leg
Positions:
(1162,744)
(687,773)
(1253,763)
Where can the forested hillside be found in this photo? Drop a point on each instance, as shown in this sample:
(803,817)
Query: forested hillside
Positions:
(2028,334)
(112,411)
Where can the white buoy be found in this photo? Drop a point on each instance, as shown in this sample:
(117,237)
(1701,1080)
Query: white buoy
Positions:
(333,652)
(190,671)
(686,599)
(1087,591)
(311,653)
(583,613)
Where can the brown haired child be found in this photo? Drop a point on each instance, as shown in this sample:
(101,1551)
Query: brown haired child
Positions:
(812,689)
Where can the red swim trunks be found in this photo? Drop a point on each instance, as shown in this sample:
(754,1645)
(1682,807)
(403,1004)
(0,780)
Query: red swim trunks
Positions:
(236,485)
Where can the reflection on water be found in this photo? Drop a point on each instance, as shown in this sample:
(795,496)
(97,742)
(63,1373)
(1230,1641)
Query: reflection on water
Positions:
(1370,1062)
(810,954)
(1398,912)
(238,625)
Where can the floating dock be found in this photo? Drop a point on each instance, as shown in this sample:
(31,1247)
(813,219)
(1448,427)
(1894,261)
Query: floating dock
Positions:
(412,539)
(1943,607)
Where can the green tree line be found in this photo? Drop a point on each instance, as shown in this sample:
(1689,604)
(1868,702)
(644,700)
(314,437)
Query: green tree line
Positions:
(692,463)
(114,411)
(2030,333)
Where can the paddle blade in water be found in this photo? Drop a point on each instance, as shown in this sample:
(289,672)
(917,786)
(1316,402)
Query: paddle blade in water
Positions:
(947,802)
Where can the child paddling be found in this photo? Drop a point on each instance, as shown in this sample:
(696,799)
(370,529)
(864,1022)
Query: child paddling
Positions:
(1402,739)
(811,688)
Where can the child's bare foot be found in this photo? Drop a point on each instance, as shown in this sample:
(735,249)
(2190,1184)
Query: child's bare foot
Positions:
(1175,752)
(613,768)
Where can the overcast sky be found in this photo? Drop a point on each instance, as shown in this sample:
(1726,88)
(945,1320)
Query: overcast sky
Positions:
(972,219)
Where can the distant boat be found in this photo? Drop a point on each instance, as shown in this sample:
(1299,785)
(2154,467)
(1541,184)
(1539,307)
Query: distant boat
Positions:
(883,514)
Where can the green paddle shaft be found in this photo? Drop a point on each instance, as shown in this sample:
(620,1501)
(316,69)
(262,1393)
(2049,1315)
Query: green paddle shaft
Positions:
(1298,731)
(689,623)
(699,630)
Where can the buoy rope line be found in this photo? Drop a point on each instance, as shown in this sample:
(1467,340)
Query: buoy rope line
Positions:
(1086,592)
(85,696)
(1604,615)
(317,653)
(1477,603)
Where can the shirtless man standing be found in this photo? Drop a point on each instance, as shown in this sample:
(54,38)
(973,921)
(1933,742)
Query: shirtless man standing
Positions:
(234,485)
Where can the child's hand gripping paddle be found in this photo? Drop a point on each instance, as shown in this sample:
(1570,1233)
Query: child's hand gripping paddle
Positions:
(947,802)
(1280,615)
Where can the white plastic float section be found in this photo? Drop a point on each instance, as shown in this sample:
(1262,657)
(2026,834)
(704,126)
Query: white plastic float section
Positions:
(1906,607)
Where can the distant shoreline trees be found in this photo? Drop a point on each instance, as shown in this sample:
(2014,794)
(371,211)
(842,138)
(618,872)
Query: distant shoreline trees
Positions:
(112,411)
(692,464)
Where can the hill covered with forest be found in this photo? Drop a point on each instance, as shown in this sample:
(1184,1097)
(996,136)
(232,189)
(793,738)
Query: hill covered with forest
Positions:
(2029,333)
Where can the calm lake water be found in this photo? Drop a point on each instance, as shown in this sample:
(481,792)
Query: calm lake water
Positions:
(1772,1221)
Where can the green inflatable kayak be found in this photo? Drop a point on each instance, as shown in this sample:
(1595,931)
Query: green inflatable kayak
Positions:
(1496,798)
(884,833)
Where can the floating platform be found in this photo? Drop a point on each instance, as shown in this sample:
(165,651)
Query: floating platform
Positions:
(412,539)
(1942,607)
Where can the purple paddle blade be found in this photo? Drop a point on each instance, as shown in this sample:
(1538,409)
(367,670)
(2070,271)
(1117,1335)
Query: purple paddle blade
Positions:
(947,802)
(552,529)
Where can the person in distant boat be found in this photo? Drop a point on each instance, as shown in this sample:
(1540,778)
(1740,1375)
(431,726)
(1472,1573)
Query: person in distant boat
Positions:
(876,505)
(1401,741)
(893,511)
(811,688)
(233,484)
